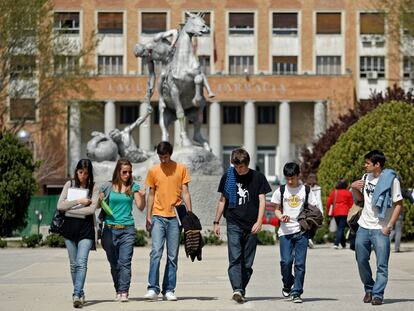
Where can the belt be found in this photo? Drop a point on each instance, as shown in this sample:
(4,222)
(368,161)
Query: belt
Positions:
(116,226)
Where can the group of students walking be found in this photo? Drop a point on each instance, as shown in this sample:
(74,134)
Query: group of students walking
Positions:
(242,202)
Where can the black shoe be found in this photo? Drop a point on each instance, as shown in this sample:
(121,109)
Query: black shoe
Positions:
(376,301)
(286,292)
(238,297)
(367,297)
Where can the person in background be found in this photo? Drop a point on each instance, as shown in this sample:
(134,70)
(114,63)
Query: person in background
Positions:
(312,182)
(79,226)
(341,200)
(118,235)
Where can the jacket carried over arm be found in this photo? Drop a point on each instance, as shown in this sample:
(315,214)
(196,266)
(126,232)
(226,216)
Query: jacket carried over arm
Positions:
(193,241)
(382,198)
(310,219)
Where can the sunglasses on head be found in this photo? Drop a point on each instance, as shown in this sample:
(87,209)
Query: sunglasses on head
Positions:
(126,172)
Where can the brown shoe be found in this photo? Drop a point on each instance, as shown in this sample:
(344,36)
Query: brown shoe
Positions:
(376,301)
(367,297)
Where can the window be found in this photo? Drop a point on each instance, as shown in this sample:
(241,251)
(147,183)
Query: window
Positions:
(266,115)
(266,161)
(66,22)
(205,64)
(408,24)
(110,23)
(285,24)
(328,23)
(206,18)
(328,65)
(22,66)
(372,23)
(241,23)
(65,64)
(231,114)
(22,109)
(153,22)
(110,65)
(239,65)
(372,67)
(129,114)
(408,67)
(285,65)
(157,67)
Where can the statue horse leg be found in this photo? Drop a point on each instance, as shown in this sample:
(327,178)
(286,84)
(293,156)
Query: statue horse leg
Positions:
(165,136)
(197,119)
(179,110)
(198,96)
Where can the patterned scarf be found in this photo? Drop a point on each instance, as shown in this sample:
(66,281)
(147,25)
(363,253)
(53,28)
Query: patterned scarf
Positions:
(230,188)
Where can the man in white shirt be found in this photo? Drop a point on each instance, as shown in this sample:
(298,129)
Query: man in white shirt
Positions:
(378,217)
(293,242)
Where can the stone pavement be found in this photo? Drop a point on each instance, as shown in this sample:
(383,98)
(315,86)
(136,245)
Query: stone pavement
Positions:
(39,280)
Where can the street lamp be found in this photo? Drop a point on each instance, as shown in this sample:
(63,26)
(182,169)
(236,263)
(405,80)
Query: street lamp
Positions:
(39,215)
(26,138)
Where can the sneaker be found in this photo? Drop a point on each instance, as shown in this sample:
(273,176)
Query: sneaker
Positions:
(151,295)
(376,301)
(286,292)
(310,243)
(335,247)
(82,299)
(124,297)
(296,299)
(170,296)
(238,297)
(77,302)
(117,297)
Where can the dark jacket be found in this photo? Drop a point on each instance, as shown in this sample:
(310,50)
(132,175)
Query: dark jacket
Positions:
(310,219)
(193,241)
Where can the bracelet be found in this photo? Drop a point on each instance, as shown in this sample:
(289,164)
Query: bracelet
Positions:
(216,222)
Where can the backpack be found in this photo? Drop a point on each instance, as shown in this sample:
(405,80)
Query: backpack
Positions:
(282,191)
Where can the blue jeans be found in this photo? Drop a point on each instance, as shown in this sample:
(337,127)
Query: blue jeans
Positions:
(340,231)
(78,258)
(241,246)
(164,229)
(119,248)
(366,240)
(293,251)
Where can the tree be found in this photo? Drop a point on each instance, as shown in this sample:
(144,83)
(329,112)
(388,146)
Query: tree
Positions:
(388,128)
(17,183)
(312,157)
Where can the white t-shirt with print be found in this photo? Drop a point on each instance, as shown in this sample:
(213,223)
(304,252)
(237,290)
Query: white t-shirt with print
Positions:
(293,199)
(369,216)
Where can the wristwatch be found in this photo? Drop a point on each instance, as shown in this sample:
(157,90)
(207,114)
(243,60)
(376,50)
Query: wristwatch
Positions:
(216,222)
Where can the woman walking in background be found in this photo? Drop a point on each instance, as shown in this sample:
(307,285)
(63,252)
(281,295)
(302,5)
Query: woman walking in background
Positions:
(118,234)
(79,225)
(341,200)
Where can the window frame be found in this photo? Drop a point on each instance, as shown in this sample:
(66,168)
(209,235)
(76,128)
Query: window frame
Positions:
(331,63)
(241,30)
(110,64)
(285,31)
(233,116)
(64,30)
(324,31)
(155,30)
(110,30)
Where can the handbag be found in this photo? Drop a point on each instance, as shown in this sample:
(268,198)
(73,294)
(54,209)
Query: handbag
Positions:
(332,206)
(56,226)
(332,225)
(353,216)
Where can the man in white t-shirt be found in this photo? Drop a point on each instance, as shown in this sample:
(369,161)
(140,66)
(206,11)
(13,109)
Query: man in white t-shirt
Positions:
(381,192)
(293,242)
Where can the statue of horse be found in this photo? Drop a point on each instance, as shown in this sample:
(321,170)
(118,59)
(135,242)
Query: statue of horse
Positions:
(182,88)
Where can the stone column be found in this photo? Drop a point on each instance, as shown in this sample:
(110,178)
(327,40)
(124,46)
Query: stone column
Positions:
(109,116)
(74,148)
(214,135)
(250,131)
(284,136)
(145,129)
(319,118)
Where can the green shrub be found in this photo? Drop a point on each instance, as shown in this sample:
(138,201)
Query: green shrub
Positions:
(388,128)
(140,238)
(265,238)
(32,240)
(210,238)
(323,236)
(54,240)
(3,243)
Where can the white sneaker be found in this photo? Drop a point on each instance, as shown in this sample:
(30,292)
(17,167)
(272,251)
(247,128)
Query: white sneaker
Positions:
(117,297)
(124,297)
(238,297)
(170,296)
(82,299)
(151,295)
(77,302)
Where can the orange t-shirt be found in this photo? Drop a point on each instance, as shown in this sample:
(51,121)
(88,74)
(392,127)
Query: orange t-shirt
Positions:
(167,180)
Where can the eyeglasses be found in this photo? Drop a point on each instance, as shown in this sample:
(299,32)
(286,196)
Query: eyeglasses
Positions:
(126,172)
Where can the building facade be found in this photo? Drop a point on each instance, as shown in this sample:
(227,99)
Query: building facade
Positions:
(282,71)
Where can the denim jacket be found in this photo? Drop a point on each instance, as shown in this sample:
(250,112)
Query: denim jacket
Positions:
(382,197)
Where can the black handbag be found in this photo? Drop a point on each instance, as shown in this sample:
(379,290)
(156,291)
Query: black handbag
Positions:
(56,226)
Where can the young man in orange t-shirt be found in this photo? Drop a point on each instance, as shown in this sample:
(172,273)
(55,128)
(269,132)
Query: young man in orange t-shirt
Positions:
(168,187)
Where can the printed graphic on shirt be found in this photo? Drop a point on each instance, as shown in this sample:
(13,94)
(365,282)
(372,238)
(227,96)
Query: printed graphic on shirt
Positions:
(369,189)
(294,201)
(243,194)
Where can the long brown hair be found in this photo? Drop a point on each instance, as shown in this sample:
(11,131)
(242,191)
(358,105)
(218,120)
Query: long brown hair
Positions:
(116,177)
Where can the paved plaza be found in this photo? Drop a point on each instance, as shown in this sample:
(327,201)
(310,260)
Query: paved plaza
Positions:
(38,280)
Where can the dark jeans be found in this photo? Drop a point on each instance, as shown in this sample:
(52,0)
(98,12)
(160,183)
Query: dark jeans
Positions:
(119,248)
(242,249)
(340,231)
(293,250)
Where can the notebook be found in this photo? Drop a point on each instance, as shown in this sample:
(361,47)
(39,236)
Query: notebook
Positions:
(76,194)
